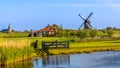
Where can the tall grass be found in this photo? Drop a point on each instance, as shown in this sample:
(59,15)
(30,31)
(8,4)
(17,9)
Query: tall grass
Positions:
(14,50)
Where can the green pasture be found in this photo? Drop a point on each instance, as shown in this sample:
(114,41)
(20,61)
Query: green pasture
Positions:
(13,35)
(114,43)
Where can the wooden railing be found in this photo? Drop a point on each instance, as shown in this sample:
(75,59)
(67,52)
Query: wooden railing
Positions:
(57,44)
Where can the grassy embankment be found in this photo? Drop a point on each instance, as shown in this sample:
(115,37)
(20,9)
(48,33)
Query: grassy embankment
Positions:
(17,49)
(88,47)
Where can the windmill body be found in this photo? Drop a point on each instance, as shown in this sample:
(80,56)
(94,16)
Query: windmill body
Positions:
(86,22)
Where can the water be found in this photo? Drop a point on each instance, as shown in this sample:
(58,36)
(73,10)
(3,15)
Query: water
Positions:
(108,59)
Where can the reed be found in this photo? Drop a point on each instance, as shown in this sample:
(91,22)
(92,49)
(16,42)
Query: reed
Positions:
(14,50)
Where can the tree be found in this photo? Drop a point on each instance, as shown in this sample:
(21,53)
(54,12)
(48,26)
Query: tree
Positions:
(56,26)
(104,31)
(58,30)
(110,32)
(83,34)
(26,31)
(73,33)
(109,28)
(61,33)
(93,33)
(66,33)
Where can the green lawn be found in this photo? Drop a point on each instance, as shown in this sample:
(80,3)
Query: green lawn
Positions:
(88,47)
(115,43)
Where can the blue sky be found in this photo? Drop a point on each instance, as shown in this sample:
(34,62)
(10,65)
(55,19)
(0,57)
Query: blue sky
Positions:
(36,14)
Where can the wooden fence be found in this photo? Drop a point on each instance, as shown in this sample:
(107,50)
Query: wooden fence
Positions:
(57,44)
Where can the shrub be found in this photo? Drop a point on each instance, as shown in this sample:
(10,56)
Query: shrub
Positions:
(110,33)
(93,33)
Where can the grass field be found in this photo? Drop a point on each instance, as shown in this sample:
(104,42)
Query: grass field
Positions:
(97,44)
(13,35)
(17,49)
(88,47)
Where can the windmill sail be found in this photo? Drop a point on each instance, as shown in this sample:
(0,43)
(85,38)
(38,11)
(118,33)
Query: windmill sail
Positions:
(87,22)
(82,17)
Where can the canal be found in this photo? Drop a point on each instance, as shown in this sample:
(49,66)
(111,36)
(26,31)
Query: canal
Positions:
(107,59)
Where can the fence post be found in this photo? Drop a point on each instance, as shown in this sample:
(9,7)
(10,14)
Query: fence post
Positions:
(56,44)
(42,45)
(68,44)
(36,44)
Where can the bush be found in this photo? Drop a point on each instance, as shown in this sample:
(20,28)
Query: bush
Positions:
(93,33)
(83,34)
(110,33)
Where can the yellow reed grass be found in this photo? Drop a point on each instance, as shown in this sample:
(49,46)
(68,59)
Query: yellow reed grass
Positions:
(17,43)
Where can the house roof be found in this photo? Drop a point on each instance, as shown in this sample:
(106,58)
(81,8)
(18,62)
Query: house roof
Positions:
(48,28)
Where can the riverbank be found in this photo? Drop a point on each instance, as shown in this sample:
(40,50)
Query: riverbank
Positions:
(14,50)
(81,50)
(88,47)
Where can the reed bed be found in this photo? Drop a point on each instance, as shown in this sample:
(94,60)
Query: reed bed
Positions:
(14,50)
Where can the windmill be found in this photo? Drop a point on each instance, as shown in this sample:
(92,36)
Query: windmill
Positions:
(86,24)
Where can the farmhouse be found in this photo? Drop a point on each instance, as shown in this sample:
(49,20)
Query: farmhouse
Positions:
(48,31)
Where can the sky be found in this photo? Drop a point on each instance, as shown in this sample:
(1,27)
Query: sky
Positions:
(37,14)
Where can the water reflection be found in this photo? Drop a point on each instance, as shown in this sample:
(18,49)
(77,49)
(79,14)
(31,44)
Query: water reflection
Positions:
(56,61)
(108,59)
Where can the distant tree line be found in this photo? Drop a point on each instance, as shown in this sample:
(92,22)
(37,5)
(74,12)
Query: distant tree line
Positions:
(90,34)
(108,32)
